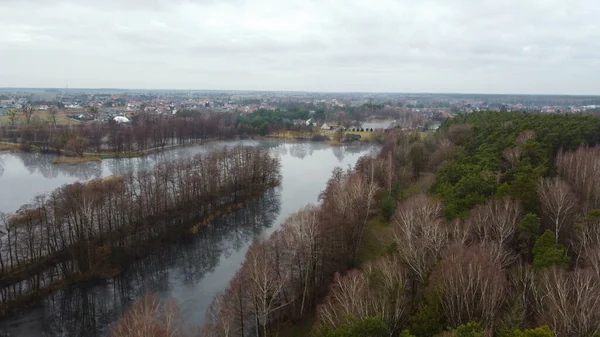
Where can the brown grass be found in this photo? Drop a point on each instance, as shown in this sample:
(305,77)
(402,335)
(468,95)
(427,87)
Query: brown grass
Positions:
(62,118)
(75,160)
(9,147)
(291,135)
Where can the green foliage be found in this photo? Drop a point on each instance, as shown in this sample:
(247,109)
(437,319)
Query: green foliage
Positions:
(187,113)
(529,228)
(406,333)
(319,115)
(388,206)
(591,219)
(390,249)
(548,253)
(418,158)
(366,327)
(471,329)
(542,331)
(522,184)
(262,118)
(428,320)
(478,170)
(465,187)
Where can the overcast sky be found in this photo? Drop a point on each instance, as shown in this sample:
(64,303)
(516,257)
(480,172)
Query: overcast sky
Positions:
(467,46)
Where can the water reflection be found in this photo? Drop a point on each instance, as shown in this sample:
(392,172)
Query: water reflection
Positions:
(41,164)
(192,271)
(91,310)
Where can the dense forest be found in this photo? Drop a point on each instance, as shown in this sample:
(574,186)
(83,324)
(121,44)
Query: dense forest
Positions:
(488,227)
(91,230)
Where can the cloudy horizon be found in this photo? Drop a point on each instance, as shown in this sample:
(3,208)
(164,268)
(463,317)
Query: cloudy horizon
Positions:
(451,46)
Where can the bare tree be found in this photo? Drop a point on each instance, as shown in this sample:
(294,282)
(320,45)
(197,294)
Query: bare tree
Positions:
(265,286)
(220,318)
(586,242)
(470,284)
(512,155)
(12,117)
(419,233)
(302,238)
(348,295)
(581,169)
(348,202)
(496,220)
(524,136)
(28,113)
(52,115)
(569,302)
(558,204)
(389,290)
(149,318)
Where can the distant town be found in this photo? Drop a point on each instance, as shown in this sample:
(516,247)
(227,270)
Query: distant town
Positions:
(84,105)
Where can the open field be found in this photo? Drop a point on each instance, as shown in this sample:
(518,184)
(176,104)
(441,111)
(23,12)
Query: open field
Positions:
(42,116)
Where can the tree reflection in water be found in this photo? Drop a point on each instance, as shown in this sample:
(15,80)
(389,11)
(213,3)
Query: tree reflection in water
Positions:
(42,163)
(92,309)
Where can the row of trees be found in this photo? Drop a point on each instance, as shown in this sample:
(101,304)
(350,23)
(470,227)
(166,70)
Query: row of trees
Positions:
(145,132)
(89,229)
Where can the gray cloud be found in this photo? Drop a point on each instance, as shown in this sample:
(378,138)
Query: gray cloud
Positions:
(511,46)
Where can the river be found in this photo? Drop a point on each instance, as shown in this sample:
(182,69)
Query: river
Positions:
(190,272)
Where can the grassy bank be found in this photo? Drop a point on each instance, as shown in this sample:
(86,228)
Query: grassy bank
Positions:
(62,118)
(292,135)
(9,147)
(75,160)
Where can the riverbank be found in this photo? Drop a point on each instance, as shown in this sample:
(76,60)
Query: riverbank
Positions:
(9,147)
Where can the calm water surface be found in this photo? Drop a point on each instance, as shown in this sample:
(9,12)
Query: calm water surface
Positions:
(190,272)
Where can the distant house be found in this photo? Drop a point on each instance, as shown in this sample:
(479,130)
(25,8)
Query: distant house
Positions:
(310,121)
(111,112)
(329,126)
(121,120)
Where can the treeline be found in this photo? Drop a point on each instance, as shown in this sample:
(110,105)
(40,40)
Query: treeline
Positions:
(90,230)
(144,133)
